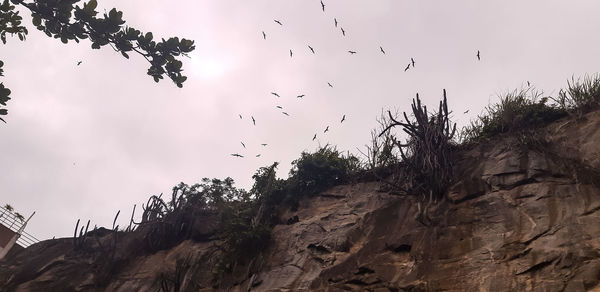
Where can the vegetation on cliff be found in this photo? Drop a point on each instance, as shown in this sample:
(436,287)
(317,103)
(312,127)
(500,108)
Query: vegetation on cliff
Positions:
(238,223)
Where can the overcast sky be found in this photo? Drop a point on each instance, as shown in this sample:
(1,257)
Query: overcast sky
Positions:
(85,141)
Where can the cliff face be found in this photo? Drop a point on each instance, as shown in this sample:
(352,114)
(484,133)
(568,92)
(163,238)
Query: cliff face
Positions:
(524,215)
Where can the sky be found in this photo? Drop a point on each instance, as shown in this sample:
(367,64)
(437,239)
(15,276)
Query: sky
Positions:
(82,142)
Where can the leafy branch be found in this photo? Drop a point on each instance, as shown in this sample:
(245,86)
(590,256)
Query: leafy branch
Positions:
(62,19)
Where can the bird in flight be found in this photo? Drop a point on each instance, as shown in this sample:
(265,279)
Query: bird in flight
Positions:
(279,107)
(478,56)
(277,21)
(329,84)
(335,22)
(343,119)
(314,137)
(253,120)
(407,67)
(322,6)
(291,53)
(257,155)
(264,144)
(380,48)
(343,31)
(300,96)
(237,155)
(326,129)
(311,49)
(79,63)
(275,93)
(412,61)
(285,114)
(466,111)
(243,144)
(352,52)
(264,35)
(240,116)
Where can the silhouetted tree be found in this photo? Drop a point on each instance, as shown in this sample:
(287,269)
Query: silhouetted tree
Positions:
(62,19)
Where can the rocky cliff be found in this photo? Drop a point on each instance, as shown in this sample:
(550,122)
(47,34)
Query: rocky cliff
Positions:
(523,215)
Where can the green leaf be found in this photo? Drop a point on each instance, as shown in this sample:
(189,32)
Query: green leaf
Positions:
(37,21)
(90,6)
(125,55)
(95,46)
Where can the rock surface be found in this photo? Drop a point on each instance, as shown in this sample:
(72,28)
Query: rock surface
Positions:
(519,218)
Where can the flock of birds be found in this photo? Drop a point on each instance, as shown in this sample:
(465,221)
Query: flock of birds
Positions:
(410,64)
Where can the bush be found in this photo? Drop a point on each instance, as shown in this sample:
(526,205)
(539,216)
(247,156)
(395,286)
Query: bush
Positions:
(315,172)
(516,111)
(165,224)
(581,96)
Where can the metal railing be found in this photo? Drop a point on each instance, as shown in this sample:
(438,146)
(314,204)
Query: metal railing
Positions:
(17,224)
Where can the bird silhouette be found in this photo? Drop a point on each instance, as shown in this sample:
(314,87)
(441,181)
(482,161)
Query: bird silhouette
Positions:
(412,61)
(79,63)
(275,93)
(253,120)
(240,116)
(322,6)
(335,22)
(237,155)
(314,137)
(467,111)
(343,31)
(478,56)
(277,21)
(300,96)
(311,49)
(329,84)
(243,144)
(291,53)
(264,144)
(343,119)
(407,67)
(326,129)
(264,35)
(279,107)
(352,52)
(257,155)
(380,48)
(285,114)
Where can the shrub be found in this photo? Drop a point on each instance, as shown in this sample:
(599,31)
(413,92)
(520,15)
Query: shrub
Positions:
(581,95)
(516,111)
(380,155)
(315,172)
(165,224)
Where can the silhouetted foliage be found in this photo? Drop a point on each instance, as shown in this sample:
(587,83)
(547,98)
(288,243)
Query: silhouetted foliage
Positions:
(65,21)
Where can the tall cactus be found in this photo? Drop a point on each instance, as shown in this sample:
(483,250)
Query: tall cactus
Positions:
(426,153)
